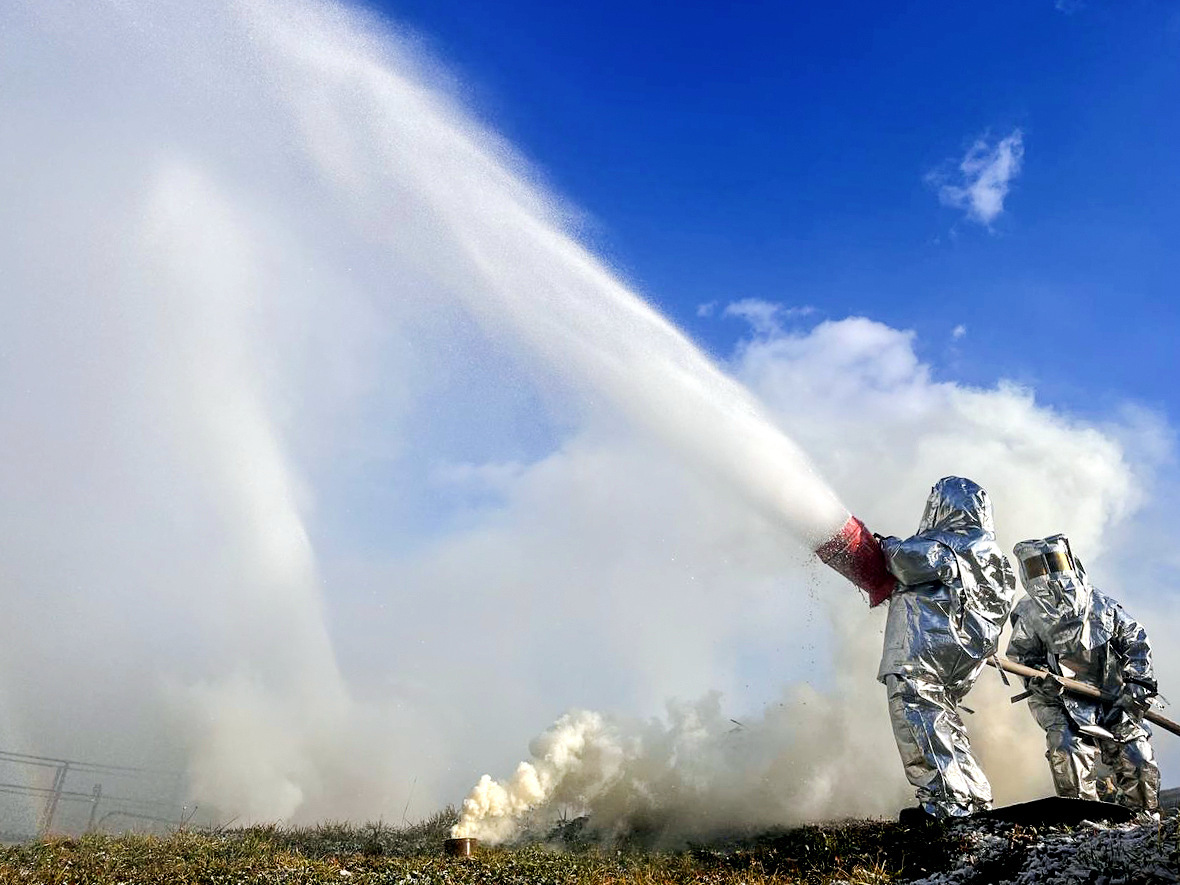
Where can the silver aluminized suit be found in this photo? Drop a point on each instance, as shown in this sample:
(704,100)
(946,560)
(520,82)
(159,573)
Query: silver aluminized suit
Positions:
(1066,626)
(955,591)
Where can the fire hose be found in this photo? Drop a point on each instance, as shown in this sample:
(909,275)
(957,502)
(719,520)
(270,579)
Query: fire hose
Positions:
(1073,686)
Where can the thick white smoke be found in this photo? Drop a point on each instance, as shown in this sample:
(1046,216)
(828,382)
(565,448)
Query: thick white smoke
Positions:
(695,771)
(335,467)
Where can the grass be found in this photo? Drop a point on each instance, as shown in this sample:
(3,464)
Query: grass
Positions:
(203,858)
(852,852)
(856,853)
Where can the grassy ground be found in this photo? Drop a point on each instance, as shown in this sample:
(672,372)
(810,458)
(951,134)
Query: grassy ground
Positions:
(853,852)
(857,853)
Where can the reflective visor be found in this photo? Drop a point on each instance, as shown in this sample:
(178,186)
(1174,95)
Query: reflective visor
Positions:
(1043,564)
(1034,566)
(1058,561)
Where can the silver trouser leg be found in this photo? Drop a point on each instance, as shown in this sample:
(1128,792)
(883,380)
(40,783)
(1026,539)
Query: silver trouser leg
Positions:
(1071,755)
(934,748)
(977,783)
(1071,759)
(1136,776)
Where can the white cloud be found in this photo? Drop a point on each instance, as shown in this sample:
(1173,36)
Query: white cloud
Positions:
(487,477)
(707,309)
(856,373)
(764,317)
(958,331)
(984,176)
(1069,7)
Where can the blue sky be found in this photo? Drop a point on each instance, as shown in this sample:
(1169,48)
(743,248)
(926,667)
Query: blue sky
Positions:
(784,152)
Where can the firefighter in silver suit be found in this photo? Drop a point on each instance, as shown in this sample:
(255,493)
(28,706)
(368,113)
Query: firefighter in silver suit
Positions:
(955,592)
(1066,626)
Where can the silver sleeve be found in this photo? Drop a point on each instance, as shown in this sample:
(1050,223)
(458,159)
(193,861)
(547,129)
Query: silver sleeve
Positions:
(919,560)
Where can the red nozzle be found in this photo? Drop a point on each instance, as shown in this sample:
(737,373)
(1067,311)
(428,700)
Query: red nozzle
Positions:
(855,553)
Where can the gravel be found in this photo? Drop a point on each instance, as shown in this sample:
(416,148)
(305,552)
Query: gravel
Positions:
(1093,854)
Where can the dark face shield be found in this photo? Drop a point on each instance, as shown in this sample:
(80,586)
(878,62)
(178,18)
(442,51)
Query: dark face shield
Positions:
(1050,562)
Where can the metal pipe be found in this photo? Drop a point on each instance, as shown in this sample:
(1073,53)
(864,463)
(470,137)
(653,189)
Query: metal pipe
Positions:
(132,814)
(460,847)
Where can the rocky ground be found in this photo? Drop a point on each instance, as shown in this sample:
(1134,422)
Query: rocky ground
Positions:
(972,852)
(1093,854)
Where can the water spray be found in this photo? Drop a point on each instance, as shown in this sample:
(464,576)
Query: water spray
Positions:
(334,152)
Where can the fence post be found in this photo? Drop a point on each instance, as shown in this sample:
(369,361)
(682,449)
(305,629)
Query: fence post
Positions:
(96,795)
(59,782)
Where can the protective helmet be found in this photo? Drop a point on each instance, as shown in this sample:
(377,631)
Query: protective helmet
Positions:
(1056,581)
(957,504)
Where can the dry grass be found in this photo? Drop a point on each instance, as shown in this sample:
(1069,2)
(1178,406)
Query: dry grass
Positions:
(852,852)
(866,853)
